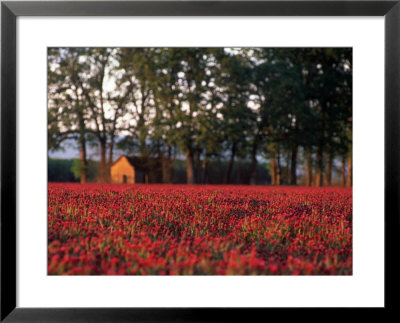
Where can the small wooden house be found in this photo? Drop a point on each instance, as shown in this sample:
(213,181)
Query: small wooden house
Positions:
(131,170)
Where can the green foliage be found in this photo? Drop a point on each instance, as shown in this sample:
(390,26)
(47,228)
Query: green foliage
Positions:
(59,170)
(76,168)
(215,106)
(216,172)
(92,170)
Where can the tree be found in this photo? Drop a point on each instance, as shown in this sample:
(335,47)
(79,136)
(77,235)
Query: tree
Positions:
(208,106)
(107,92)
(187,100)
(234,92)
(67,106)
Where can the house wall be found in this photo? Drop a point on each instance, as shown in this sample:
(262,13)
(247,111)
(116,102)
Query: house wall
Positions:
(119,169)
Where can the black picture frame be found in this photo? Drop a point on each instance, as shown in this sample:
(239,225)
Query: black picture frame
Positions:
(10,10)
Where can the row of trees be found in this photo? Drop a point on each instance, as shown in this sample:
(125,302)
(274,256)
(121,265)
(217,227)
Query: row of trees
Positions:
(203,104)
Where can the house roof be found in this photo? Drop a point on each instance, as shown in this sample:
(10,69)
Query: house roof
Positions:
(136,161)
(139,162)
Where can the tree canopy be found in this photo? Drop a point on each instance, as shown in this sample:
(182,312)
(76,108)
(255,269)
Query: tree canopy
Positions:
(288,107)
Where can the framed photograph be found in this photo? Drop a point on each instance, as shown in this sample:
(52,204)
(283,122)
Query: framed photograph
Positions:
(198,160)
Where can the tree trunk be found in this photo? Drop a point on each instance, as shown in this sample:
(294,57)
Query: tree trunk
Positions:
(278,170)
(319,180)
(204,167)
(167,168)
(320,151)
(198,168)
(230,164)
(349,182)
(343,172)
(189,166)
(273,170)
(328,174)
(293,175)
(110,159)
(253,166)
(168,171)
(239,174)
(103,162)
(309,177)
(314,180)
(287,169)
(84,164)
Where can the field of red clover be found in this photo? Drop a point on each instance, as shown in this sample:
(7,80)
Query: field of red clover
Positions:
(100,229)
